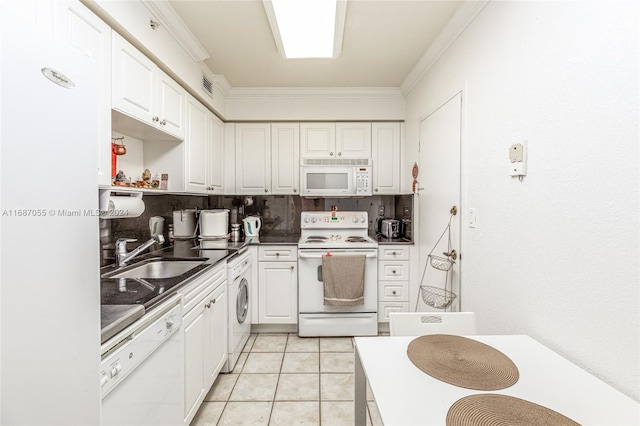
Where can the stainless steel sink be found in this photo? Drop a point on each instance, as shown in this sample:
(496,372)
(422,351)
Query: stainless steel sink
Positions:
(156,269)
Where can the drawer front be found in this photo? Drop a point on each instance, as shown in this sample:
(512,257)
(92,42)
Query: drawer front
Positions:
(191,294)
(393,291)
(393,252)
(393,271)
(385,307)
(277,253)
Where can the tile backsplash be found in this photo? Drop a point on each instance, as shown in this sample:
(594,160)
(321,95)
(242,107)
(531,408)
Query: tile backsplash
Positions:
(280,213)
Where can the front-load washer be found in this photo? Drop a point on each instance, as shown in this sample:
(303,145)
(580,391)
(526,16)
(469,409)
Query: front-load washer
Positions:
(239,274)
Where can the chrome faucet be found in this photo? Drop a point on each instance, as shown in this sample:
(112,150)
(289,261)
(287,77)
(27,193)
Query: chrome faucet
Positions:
(122,256)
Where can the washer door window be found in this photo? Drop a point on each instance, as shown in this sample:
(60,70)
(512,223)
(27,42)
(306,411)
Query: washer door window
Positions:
(242,302)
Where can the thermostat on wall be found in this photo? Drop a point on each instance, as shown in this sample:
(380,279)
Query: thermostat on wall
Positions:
(518,159)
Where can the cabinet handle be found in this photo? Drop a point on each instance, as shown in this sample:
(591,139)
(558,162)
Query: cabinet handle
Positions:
(163,122)
(394,253)
(208,305)
(376,189)
(155,118)
(292,268)
(277,254)
(295,190)
(393,272)
(393,292)
(213,301)
(266,190)
(331,153)
(339,154)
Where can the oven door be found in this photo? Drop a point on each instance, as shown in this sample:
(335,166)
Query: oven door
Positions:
(311,289)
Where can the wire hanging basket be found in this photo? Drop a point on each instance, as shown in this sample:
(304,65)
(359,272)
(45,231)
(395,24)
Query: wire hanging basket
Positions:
(436,297)
(441,263)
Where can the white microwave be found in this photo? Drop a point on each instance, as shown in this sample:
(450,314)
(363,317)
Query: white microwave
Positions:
(335,177)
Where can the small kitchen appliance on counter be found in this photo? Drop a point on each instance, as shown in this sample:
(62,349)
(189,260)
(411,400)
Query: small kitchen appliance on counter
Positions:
(252,225)
(214,223)
(390,228)
(184,223)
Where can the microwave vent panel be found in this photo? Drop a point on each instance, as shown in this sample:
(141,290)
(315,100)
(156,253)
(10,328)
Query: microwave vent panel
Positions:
(336,162)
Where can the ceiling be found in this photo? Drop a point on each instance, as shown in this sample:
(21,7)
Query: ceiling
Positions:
(383,40)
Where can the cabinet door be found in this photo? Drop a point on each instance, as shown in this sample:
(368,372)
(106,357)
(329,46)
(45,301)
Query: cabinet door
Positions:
(215,145)
(215,351)
(353,140)
(170,109)
(285,158)
(134,81)
(385,144)
(278,293)
(318,140)
(194,324)
(196,146)
(83,29)
(253,158)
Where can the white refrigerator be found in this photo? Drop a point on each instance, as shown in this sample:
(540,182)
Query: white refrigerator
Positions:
(49,259)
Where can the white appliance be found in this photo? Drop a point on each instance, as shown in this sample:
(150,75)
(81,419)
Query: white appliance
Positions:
(184,223)
(338,233)
(252,225)
(335,177)
(140,373)
(48,165)
(239,274)
(214,223)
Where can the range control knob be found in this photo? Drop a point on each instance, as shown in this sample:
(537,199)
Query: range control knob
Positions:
(115,370)
(361,219)
(306,219)
(313,220)
(355,219)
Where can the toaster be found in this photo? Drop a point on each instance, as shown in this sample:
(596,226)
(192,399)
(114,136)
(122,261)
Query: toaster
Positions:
(390,228)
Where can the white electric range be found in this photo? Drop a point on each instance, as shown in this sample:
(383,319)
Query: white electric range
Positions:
(339,234)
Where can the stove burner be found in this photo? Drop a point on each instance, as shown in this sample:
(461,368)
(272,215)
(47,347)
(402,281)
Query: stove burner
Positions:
(317,237)
(356,240)
(314,240)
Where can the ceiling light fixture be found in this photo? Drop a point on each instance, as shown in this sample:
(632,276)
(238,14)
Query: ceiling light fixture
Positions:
(307,28)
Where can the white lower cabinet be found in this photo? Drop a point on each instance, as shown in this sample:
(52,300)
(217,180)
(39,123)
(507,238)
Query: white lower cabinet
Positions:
(277,285)
(393,280)
(205,336)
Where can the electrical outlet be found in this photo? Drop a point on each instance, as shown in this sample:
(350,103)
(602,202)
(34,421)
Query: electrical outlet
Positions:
(381,210)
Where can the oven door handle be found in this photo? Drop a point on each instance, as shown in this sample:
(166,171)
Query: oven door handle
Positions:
(319,255)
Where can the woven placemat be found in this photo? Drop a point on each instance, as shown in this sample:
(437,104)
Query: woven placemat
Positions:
(462,362)
(499,410)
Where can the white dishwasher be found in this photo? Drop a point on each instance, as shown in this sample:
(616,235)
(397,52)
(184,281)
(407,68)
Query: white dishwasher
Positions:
(141,370)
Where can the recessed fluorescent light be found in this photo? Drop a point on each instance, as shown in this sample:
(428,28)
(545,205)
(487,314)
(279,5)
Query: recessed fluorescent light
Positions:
(307,28)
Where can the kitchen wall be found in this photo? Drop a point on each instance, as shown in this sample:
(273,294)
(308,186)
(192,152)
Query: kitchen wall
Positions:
(556,255)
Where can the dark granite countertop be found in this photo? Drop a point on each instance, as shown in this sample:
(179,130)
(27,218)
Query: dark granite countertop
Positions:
(142,295)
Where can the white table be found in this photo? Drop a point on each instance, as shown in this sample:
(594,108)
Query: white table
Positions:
(407,396)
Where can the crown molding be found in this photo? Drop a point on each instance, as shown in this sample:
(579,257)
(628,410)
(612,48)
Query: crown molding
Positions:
(461,19)
(176,27)
(222,84)
(316,93)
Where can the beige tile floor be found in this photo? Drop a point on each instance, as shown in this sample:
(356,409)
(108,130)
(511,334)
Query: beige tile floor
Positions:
(283,379)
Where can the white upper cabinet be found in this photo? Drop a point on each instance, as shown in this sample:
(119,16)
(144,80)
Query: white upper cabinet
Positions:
(353,140)
(215,147)
(335,140)
(285,158)
(318,140)
(253,158)
(142,91)
(196,146)
(83,29)
(385,143)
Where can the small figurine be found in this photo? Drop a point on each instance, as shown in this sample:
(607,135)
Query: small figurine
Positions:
(121,177)
(146,176)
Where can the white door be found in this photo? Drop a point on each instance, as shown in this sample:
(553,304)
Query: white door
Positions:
(439,182)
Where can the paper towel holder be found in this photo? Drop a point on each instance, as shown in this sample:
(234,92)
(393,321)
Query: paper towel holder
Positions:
(105,194)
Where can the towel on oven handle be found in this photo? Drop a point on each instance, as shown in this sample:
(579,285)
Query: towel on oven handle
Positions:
(343,279)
